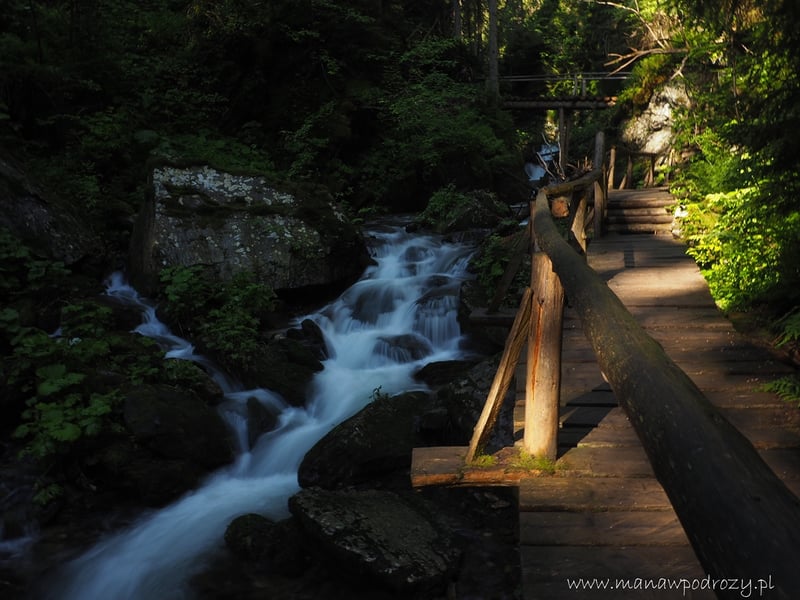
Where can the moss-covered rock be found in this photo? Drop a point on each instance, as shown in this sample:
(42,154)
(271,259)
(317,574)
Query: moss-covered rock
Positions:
(449,211)
(41,219)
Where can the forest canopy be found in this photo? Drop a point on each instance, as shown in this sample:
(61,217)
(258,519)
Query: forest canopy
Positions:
(384,103)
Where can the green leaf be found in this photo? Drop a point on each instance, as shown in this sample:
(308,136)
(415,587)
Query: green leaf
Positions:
(68,432)
(56,378)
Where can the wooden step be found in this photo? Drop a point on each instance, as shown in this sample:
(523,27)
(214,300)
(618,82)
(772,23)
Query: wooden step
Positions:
(629,218)
(653,202)
(624,210)
(639,228)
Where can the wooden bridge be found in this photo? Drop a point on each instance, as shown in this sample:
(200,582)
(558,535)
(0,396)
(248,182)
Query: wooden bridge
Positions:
(676,473)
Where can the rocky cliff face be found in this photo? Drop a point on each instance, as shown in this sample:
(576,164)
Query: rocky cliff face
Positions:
(41,220)
(233,223)
(651,131)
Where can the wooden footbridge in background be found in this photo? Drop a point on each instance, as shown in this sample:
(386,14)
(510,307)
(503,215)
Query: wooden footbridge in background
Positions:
(675,469)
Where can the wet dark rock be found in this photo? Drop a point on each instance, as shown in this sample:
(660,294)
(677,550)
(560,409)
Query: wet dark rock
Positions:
(375,443)
(157,481)
(286,367)
(310,335)
(177,424)
(260,420)
(464,399)
(440,373)
(403,348)
(380,535)
(271,547)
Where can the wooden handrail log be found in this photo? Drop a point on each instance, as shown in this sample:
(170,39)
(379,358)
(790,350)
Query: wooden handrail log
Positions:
(571,186)
(741,519)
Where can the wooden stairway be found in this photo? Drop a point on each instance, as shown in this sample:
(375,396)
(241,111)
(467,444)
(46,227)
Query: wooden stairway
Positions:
(640,211)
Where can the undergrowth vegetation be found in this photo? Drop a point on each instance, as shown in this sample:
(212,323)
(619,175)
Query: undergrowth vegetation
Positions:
(225,319)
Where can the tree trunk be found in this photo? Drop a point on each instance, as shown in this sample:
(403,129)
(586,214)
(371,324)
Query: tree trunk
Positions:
(493,81)
(457,24)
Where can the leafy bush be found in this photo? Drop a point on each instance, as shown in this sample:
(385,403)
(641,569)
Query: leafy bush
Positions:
(742,244)
(22,271)
(491,261)
(442,206)
(224,318)
(64,377)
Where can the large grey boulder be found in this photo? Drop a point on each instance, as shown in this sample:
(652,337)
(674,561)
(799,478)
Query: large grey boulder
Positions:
(230,223)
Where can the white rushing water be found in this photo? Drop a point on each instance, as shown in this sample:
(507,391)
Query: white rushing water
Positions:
(398,317)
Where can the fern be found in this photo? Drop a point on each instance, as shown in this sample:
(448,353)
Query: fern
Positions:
(787,388)
(790,328)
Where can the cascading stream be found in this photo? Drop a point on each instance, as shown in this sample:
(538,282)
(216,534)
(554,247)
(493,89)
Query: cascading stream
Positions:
(398,317)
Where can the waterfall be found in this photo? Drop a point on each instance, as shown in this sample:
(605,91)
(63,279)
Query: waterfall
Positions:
(399,316)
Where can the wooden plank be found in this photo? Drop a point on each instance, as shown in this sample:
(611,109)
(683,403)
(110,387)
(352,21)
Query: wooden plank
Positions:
(445,465)
(581,416)
(767,427)
(626,461)
(590,528)
(552,572)
(595,397)
(783,462)
(605,437)
(441,465)
(591,493)
(749,398)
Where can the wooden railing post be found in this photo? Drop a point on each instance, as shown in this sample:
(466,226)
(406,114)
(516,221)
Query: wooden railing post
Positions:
(543,381)
(502,379)
(599,191)
(612,161)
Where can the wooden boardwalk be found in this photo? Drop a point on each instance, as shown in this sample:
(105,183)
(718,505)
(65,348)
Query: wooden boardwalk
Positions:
(601,521)
(602,517)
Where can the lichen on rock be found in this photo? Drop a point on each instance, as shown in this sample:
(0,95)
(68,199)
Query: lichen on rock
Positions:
(233,223)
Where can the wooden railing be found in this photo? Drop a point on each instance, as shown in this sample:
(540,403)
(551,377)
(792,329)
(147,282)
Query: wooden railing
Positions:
(741,519)
(539,320)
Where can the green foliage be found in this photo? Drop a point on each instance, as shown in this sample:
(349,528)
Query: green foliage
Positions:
(56,382)
(225,319)
(491,261)
(52,426)
(484,460)
(22,270)
(742,252)
(787,388)
(789,326)
(442,206)
(222,153)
